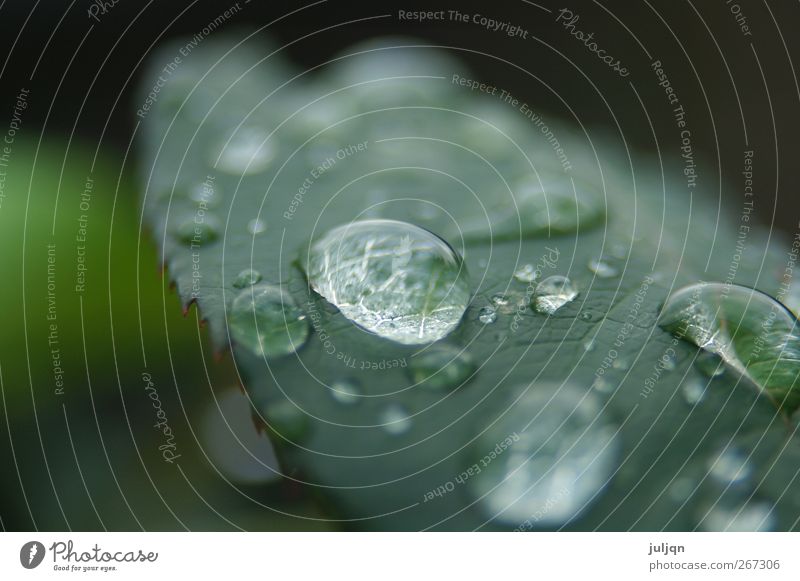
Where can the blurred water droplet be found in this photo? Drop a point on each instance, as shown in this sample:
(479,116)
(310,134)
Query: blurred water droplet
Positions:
(247,152)
(620,363)
(392,278)
(668,362)
(499,300)
(232,442)
(589,345)
(681,489)
(487,315)
(266,320)
(287,420)
(710,364)
(753,334)
(442,367)
(746,516)
(247,277)
(346,391)
(553,293)
(694,390)
(395,420)
(198,229)
(602,268)
(256,226)
(553,451)
(603,385)
(586,315)
(526,273)
(730,466)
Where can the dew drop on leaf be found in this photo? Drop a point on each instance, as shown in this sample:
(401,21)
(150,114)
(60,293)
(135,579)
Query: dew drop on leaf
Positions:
(248,151)
(526,273)
(265,320)
(602,268)
(247,277)
(554,453)
(553,293)
(256,226)
(750,331)
(346,391)
(395,279)
(487,315)
(395,420)
(442,367)
(729,466)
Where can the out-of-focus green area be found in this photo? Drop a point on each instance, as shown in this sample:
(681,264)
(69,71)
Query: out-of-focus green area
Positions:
(97,363)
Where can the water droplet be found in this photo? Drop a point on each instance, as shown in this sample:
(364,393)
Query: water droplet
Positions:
(392,278)
(710,364)
(247,277)
(232,442)
(526,273)
(346,391)
(287,420)
(681,489)
(557,453)
(395,420)
(256,226)
(247,152)
(442,367)
(603,385)
(620,363)
(266,320)
(589,345)
(602,268)
(694,390)
(499,300)
(727,516)
(753,334)
(487,315)
(730,466)
(668,362)
(198,229)
(586,315)
(553,293)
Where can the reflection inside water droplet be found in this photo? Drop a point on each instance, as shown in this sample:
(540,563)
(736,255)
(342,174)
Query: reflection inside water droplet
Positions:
(247,277)
(266,320)
(553,293)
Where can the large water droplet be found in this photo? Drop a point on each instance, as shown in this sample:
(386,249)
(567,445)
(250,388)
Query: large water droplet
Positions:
(346,391)
(392,278)
(395,420)
(247,152)
(266,320)
(752,332)
(247,277)
(553,293)
(442,367)
(553,452)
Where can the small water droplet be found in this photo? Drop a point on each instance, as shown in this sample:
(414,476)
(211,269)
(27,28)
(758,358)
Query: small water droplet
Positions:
(442,367)
(668,362)
(730,466)
(248,151)
(198,229)
(526,273)
(602,268)
(266,320)
(256,226)
(589,345)
(694,390)
(553,293)
(247,277)
(586,315)
(603,385)
(487,315)
(558,453)
(346,391)
(392,278)
(620,363)
(395,420)
(681,489)
(499,300)
(751,332)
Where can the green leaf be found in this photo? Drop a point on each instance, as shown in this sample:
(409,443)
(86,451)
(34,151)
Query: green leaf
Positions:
(354,143)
